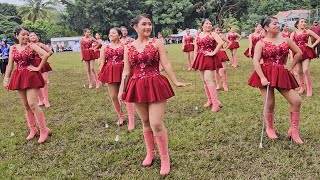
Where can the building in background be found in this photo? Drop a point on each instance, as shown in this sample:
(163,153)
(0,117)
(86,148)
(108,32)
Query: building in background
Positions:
(290,17)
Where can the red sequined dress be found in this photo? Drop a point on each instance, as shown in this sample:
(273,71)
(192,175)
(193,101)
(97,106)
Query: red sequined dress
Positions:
(188,46)
(21,77)
(222,55)
(128,41)
(202,62)
(302,40)
(233,39)
(285,35)
(273,67)
(96,52)
(37,61)
(111,71)
(86,50)
(146,84)
(254,40)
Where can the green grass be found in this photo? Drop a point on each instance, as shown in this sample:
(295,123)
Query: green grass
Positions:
(203,145)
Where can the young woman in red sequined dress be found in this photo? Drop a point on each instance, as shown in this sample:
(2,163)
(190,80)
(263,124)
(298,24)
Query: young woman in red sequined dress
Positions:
(88,56)
(253,39)
(234,37)
(148,89)
(222,56)
(274,50)
(43,93)
(111,68)
(27,79)
(207,45)
(301,38)
(188,47)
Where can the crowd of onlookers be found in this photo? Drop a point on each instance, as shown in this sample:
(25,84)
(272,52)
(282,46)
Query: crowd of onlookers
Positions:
(4,55)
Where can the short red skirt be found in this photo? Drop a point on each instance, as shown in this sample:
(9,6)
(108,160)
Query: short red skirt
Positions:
(278,76)
(148,89)
(25,79)
(88,55)
(222,56)
(111,73)
(307,53)
(246,53)
(234,45)
(206,62)
(188,48)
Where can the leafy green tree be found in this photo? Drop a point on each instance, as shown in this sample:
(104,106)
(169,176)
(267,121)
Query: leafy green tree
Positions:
(36,9)
(9,19)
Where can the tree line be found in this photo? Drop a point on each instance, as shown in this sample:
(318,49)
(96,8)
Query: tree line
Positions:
(68,17)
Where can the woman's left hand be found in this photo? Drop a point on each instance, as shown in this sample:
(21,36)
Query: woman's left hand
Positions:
(209,53)
(180,84)
(32,68)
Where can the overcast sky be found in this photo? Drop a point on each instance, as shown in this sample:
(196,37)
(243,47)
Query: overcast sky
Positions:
(16,2)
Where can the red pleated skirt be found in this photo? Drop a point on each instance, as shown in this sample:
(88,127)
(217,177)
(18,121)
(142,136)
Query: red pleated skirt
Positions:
(46,68)
(206,62)
(278,76)
(25,79)
(246,53)
(148,89)
(188,48)
(97,54)
(307,53)
(88,54)
(234,45)
(222,56)
(111,73)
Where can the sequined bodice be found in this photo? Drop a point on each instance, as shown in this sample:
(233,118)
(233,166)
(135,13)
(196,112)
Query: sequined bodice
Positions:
(146,63)
(114,56)
(86,44)
(206,44)
(285,35)
(23,58)
(255,39)
(128,41)
(232,37)
(275,54)
(301,39)
(188,39)
(94,44)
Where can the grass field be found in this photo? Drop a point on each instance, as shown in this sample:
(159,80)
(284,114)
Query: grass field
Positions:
(203,145)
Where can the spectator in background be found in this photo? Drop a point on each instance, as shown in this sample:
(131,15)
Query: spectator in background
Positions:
(316,29)
(4,55)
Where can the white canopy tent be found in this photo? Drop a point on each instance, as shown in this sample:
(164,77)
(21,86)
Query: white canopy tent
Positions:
(193,32)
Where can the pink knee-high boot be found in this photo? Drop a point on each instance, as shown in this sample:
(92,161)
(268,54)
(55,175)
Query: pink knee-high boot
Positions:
(294,127)
(162,142)
(270,126)
(40,98)
(121,116)
(45,132)
(301,81)
(45,90)
(209,102)
(31,124)
(224,80)
(151,153)
(217,76)
(309,85)
(216,104)
(130,110)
